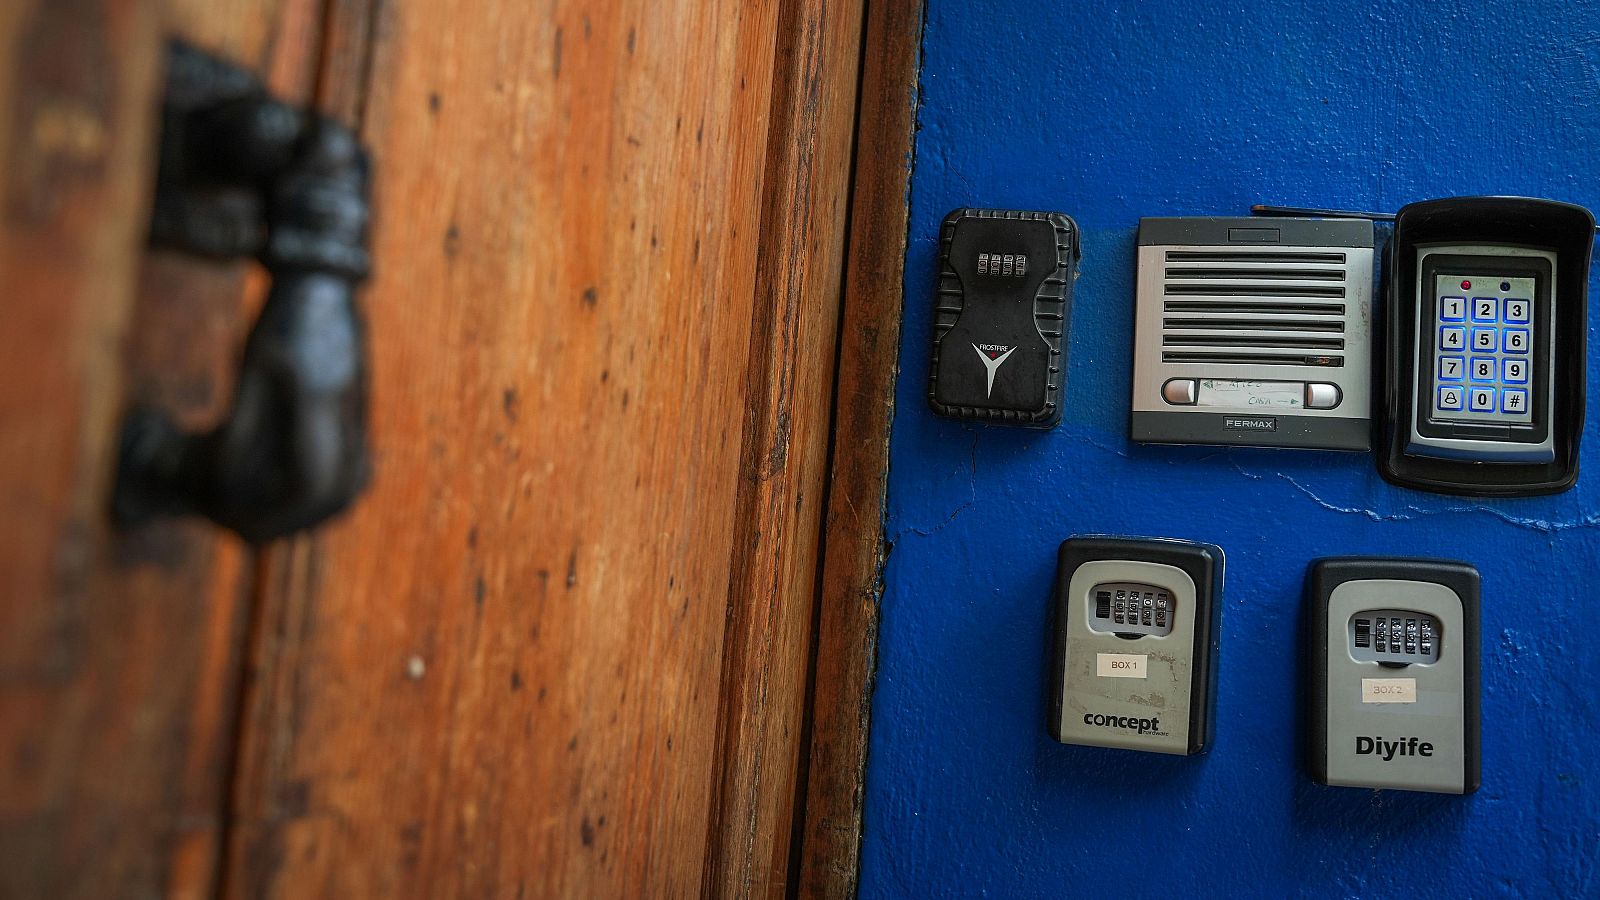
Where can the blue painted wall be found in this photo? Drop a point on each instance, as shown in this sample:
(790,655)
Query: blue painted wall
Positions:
(1109,111)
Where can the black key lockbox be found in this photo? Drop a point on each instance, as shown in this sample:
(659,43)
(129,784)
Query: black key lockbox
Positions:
(1000,321)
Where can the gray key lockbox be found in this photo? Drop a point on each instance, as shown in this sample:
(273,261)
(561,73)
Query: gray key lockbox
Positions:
(1392,674)
(1135,662)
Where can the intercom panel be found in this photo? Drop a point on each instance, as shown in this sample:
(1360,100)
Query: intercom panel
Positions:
(1392,674)
(1254,331)
(1136,638)
(1005,298)
(1484,371)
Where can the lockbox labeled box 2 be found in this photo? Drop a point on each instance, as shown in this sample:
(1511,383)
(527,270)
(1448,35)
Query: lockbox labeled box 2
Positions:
(1392,674)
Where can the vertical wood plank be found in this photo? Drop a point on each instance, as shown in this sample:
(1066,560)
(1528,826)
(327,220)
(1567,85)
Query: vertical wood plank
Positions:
(853,539)
(773,584)
(119,653)
(500,675)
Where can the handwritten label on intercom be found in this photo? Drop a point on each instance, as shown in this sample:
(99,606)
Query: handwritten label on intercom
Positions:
(1120,665)
(1388,690)
(1240,394)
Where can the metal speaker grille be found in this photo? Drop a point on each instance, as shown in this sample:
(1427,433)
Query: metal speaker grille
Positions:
(1268,307)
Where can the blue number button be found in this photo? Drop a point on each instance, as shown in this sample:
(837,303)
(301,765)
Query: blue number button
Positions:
(1516,340)
(1517,311)
(1484,339)
(1513,401)
(1452,338)
(1452,368)
(1514,371)
(1452,309)
(1485,309)
(1450,398)
(1483,368)
(1482,400)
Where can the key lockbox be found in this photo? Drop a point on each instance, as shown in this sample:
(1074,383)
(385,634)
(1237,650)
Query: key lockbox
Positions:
(1000,321)
(1392,674)
(1136,638)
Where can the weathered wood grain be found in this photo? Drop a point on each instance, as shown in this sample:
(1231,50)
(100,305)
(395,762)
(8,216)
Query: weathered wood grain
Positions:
(773,585)
(500,675)
(119,653)
(853,540)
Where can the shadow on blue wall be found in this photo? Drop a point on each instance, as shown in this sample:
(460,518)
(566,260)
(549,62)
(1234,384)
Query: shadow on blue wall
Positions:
(1108,112)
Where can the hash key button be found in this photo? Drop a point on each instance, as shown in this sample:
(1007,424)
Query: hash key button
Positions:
(1514,401)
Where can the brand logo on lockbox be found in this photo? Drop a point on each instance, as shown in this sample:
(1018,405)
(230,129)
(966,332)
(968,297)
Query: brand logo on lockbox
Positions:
(1388,750)
(1135,724)
(993,355)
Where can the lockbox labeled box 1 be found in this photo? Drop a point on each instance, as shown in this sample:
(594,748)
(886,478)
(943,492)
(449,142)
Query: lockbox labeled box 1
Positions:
(1136,639)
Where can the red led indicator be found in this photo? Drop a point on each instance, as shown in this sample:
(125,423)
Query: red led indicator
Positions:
(1466,285)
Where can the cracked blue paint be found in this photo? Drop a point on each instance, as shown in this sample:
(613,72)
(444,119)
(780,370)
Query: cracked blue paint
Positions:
(1109,111)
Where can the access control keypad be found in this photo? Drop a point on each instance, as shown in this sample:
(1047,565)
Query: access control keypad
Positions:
(1394,636)
(1483,351)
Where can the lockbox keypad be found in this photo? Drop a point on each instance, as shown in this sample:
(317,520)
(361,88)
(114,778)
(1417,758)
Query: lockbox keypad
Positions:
(1394,636)
(1129,608)
(1483,349)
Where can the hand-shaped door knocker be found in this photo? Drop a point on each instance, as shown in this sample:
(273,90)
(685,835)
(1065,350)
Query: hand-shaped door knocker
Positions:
(244,174)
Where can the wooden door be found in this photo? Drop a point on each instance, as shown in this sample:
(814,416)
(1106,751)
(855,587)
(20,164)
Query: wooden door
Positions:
(563,644)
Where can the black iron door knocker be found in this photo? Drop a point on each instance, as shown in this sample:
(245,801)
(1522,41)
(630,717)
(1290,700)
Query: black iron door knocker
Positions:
(244,174)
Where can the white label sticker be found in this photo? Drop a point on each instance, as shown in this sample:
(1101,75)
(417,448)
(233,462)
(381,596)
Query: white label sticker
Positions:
(1120,665)
(1262,395)
(1388,690)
